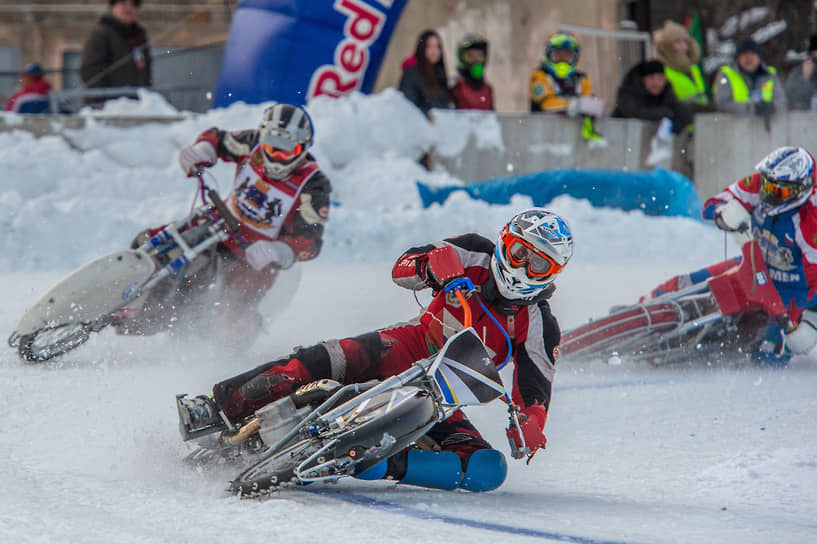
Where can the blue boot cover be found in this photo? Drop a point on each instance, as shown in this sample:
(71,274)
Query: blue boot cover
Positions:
(486,471)
(437,469)
(376,472)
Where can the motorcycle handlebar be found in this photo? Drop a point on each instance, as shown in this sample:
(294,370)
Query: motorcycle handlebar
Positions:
(218,204)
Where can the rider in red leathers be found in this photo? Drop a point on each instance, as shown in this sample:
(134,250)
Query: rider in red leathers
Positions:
(280,198)
(513,280)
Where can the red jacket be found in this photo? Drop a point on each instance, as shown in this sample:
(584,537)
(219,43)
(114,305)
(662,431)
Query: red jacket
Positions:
(38,89)
(533,331)
(469,97)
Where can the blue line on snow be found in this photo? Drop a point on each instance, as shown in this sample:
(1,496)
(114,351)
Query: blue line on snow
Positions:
(370,502)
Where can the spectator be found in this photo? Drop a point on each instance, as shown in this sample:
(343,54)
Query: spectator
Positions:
(117,54)
(556,83)
(748,85)
(33,94)
(424,81)
(801,87)
(646,94)
(680,55)
(471,91)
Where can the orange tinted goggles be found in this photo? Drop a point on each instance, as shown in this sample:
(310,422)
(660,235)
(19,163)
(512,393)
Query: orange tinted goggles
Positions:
(281,155)
(522,254)
(778,191)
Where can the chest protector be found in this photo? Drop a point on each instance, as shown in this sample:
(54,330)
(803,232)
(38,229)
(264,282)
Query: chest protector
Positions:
(262,204)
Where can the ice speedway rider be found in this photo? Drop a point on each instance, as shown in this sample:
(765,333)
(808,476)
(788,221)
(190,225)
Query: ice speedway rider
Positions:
(779,204)
(513,281)
(279,196)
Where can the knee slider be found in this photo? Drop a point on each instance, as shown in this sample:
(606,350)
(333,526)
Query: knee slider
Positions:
(486,471)
(435,469)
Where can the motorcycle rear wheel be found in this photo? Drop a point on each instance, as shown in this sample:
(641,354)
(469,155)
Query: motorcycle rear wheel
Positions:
(50,342)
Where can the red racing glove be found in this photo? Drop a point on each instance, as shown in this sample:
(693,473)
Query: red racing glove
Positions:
(533,435)
(442,265)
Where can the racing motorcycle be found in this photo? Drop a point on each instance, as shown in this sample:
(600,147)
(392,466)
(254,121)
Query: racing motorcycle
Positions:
(324,431)
(713,320)
(137,291)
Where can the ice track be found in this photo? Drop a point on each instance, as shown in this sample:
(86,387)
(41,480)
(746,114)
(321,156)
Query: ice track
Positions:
(90,450)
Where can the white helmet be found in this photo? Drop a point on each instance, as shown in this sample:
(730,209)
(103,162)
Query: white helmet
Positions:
(532,249)
(284,139)
(787,178)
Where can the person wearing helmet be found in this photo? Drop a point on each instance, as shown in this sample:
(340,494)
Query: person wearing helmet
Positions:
(513,279)
(280,197)
(556,83)
(471,91)
(779,206)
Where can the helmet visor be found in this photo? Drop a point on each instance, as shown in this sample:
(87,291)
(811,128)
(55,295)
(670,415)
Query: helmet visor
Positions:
(777,192)
(521,254)
(283,156)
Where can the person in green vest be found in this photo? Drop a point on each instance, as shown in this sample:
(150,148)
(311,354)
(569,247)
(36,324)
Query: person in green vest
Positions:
(680,54)
(748,85)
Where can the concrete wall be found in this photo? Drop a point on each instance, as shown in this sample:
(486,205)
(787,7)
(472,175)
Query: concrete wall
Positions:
(536,142)
(517,31)
(729,147)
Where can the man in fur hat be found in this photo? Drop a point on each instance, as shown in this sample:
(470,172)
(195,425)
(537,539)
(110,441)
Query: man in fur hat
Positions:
(680,54)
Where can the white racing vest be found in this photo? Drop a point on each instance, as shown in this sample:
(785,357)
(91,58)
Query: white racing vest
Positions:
(263,206)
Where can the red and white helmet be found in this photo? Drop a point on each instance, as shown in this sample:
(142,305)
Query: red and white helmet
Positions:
(532,249)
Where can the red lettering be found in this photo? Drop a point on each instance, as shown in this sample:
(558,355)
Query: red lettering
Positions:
(327,81)
(352,58)
(364,22)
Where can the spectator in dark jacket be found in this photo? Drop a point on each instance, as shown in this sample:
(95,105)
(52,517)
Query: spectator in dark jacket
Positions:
(801,87)
(116,54)
(425,82)
(645,94)
(33,94)
(471,91)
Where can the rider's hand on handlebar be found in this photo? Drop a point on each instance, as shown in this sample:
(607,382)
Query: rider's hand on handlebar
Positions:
(732,217)
(193,157)
(442,265)
(533,435)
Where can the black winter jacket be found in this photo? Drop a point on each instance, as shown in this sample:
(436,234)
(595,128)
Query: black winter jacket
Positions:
(412,85)
(113,43)
(633,100)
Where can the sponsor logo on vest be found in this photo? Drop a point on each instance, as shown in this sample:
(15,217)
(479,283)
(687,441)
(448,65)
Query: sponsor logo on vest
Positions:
(363,26)
(778,275)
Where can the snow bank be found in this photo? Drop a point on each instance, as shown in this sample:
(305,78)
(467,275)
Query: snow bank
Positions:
(70,196)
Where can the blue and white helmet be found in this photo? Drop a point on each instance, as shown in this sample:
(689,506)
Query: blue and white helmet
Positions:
(532,249)
(788,175)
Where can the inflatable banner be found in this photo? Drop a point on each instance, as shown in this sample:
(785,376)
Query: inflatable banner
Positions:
(658,192)
(294,50)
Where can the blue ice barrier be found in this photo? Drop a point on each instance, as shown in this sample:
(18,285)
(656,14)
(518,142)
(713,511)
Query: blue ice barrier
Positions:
(656,192)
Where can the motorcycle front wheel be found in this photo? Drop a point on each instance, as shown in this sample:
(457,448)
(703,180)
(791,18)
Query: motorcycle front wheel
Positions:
(50,342)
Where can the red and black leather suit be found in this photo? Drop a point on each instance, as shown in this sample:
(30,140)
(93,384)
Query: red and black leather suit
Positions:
(302,229)
(533,331)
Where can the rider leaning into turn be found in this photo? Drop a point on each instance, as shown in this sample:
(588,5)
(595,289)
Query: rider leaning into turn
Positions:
(513,281)
(779,204)
(279,196)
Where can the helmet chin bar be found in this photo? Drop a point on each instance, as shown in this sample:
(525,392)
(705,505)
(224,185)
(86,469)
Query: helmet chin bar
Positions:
(511,287)
(279,171)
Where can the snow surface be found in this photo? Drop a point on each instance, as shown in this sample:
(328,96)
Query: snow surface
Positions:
(89,449)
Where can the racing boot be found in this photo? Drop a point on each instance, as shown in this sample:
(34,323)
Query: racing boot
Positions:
(198,416)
